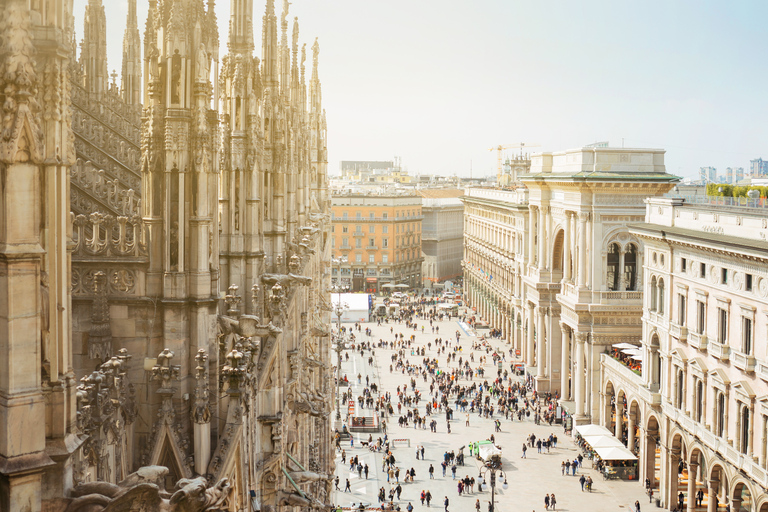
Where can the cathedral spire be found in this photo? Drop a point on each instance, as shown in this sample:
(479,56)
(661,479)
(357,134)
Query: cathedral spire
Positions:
(131,76)
(269,45)
(241,26)
(93,55)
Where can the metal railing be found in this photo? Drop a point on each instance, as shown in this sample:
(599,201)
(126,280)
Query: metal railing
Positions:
(743,202)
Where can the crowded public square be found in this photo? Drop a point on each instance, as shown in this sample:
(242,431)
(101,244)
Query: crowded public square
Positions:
(441,394)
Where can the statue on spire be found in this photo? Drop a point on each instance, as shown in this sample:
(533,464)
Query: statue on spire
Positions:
(284,14)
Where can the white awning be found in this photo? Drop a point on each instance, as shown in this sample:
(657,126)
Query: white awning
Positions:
(615,453)
(592,430)
(624,345)
(602,441)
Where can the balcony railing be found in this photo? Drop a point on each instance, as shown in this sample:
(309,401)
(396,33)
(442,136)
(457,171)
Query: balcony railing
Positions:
(698,340)
(678,331)
(762,371)
(623,295)
(358,234)
(372,247)
(743,361)
(719,350)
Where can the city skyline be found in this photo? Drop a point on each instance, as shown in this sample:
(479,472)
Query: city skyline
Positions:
(439,85)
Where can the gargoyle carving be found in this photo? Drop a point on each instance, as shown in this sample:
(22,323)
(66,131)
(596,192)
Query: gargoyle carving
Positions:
(148,495)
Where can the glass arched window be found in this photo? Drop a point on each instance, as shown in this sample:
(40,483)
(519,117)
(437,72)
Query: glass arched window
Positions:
(630,267)
(720,414)
(744,444)
(680,385)
(612,276)
(654,294)
(699,399)
(661,296)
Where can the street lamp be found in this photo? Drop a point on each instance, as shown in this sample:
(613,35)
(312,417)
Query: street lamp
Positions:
(338,310)
(492,466)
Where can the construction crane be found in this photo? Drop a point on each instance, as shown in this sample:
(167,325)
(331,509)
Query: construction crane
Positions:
(502,147)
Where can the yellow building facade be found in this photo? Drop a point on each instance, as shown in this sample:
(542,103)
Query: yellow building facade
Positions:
(376,239)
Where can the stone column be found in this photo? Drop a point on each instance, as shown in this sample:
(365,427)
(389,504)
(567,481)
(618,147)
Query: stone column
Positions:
(567,249)
(630,430)
(692,467)
(547,233)
(620,270)
(619,418)
(712,495)
(582,274)
(540,356)
(581,338)
(541,262)
(531,235)
(508,323)
(674,477)
(565,354)
(529,354)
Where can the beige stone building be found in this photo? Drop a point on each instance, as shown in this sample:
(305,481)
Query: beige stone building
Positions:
(553,265)
(442,241)
(702,400)
(163,261)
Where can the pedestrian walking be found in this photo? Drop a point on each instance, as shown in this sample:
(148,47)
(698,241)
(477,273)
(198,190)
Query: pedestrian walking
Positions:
(429,497)
(637,505)
(336,483)
(581,481)
(431,472)
(347,487)
(477,505)
(546,502)
(446,503)
(365,470)
(524,449)
(552,501)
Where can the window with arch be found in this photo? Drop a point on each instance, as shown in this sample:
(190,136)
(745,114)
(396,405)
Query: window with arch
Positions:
(661,296)
(612,267)
(654,293)
(679,388)
(630,268)
(744,418)
(699,400)
(720,409)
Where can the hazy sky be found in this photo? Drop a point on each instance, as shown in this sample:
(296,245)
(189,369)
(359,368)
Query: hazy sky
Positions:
(438,82)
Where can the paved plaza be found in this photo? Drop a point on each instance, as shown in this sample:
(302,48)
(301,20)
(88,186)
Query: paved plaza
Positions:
(529,479)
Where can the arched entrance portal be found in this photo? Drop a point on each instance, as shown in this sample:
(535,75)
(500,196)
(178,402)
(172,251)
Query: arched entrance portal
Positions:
(741,500)
(678,466)
(650,458)
(695,481)
(608,406)
(717,492)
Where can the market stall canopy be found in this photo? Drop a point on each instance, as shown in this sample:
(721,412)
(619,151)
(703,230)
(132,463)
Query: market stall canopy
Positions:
(615,453)
(388,285)
(402,286)
(486,450)
(631,351)
(636,357)
(592,430)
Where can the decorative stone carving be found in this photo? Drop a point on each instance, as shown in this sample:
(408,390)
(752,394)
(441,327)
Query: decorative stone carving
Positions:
(201,412)
(100,336)
(192,495)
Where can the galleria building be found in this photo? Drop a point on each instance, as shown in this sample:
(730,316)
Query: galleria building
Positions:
(163,249)
(588,249)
